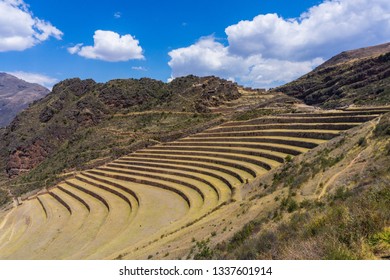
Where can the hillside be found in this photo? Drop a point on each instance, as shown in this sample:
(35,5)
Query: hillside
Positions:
(81,123)
(199,191)
(16,95)
(358,77)
(330,203)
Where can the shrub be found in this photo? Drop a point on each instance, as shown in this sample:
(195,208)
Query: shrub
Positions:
(292,206)
(362,142)
(341,193)
(4,198)
(204,251)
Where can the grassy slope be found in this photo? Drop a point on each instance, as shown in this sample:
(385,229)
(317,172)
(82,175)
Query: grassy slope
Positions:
(332,203)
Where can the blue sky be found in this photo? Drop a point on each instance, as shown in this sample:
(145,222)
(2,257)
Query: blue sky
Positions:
(260,43)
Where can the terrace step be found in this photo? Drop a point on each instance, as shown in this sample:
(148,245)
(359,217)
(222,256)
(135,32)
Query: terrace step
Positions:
(284,126)
(233,172)
(296,120)
(308,143)
(358,112)
(186,194)
(316,134)
(244,169)
(225,178)
(245,158)
(37,240)
(168,178)
(118,216)
(381,108)
(105,187)
(131,193)
(210,182)
(74,232)
(261,153)
(154,218)
(285,149)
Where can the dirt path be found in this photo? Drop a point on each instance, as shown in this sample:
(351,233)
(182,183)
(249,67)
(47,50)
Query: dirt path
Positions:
(153,112)
(335,176)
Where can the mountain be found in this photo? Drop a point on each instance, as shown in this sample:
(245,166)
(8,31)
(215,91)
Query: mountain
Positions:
(202,168)
(16,95)
(82,123)
(357,77)
(198,168)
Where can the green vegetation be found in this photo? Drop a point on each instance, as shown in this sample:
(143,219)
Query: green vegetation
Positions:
(4,198)
(294,175)
(382,129)
(203,251)
(353,227)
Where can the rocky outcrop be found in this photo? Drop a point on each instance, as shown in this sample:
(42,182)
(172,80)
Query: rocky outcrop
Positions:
(23,159)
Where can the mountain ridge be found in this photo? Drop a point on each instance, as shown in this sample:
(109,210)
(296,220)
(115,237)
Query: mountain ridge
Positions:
(359,77)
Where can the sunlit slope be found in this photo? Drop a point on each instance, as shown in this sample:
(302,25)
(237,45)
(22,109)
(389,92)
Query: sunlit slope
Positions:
(145,196)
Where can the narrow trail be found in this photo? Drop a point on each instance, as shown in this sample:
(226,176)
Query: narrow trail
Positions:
(153,112)
(337,175)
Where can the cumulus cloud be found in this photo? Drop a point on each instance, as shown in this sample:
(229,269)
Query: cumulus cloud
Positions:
(209,57)
(110,46)
(37,78)
(20,30)
(271,50)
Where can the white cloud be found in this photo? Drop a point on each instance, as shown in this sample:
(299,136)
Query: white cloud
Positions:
(330,27)
(110,46)
(75,49)
(209,57)
(270,50)
(139,68)
(20,30)
(117,15)
(37,78)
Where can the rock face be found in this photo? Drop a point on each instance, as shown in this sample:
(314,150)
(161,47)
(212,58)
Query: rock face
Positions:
(23,158)
(360,77)
(16,95)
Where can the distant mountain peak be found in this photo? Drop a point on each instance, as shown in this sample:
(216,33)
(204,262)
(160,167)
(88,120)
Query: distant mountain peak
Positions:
(15,95)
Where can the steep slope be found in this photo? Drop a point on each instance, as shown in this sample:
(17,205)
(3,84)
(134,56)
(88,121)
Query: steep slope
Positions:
(359,77)
(16,95)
